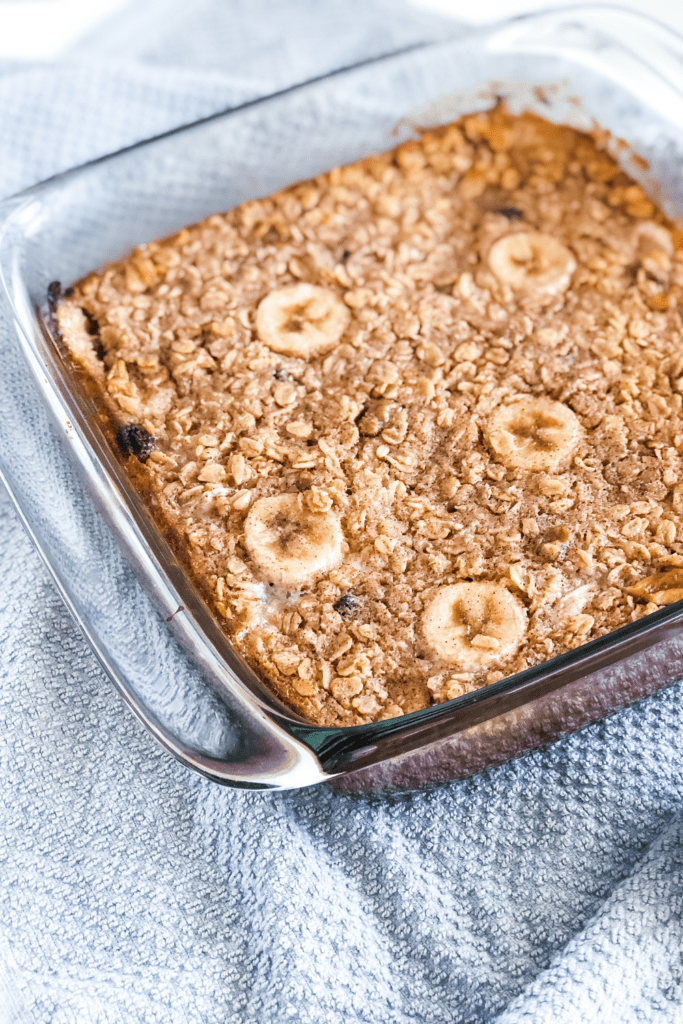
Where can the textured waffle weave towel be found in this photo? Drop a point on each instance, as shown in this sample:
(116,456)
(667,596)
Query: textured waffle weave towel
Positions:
(547,890)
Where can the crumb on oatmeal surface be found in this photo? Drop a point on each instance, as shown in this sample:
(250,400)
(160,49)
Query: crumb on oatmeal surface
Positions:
(418,421)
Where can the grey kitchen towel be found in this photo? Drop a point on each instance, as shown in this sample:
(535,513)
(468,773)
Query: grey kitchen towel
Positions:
(547,890)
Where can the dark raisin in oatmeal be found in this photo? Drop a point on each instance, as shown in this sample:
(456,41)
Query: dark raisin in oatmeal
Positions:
(132,439)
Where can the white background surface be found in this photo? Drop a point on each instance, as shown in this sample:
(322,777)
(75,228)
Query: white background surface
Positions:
(43,29)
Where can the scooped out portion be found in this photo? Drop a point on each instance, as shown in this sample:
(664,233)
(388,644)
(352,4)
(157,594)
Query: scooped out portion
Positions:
(415,425)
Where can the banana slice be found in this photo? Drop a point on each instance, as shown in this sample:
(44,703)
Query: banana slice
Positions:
(301,320)
(290,544)
(530,261)
(538,434)
(473,624)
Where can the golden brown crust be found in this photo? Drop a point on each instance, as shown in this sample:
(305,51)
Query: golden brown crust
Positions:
(391,430)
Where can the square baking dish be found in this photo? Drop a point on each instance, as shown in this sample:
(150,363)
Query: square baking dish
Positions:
(149,627)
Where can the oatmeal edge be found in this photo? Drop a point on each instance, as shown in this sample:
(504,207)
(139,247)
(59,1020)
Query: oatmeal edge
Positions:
(418,421)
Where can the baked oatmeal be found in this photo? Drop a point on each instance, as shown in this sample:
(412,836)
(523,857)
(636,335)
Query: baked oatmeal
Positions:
(417,422)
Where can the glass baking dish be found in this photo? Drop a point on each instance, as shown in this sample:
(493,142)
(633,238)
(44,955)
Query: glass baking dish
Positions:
(150,629)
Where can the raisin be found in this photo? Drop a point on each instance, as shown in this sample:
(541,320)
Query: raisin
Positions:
(345,604)
(345,255)
(54,293)
(135,440)
(281,374)
(93,329)
(511,212)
